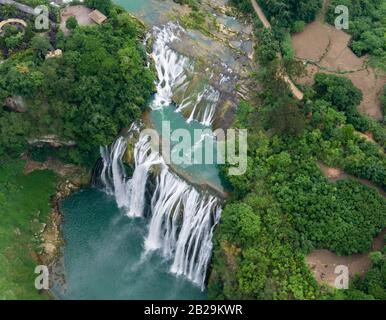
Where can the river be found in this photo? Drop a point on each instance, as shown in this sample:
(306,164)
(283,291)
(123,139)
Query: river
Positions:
(103,255)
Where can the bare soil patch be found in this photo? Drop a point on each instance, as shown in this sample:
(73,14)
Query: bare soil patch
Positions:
(325,49)
(336,174)
(323,262)
(79,12)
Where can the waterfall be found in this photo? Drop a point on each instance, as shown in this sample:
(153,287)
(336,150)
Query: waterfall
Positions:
(182,219)
(113,174)
(170,66)
(144,160)
(129,193)
(210,96)
(172,69)
(182,225)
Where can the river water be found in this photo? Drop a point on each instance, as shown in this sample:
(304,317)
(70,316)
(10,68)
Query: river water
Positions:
(103,255)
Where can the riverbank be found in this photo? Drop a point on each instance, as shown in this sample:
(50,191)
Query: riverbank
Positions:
(29,197)
(70,179)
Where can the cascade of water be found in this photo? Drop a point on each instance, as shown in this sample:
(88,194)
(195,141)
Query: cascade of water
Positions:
(194,245)
(171,70)
(129,193)
(167,200)
(113,174)
(170,66)
(182,225)
(145,158)
(213,99)
(182,219)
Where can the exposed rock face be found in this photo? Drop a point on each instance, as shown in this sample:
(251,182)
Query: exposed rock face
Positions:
(16,104)
(53,141)
(54,54)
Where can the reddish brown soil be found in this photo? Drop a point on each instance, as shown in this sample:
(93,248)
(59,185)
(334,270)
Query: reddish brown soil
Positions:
(79,12)
(323,262)
(325,49)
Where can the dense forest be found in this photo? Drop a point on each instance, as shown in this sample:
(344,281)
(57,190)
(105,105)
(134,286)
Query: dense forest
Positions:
(97,87)
(284,207)
(284,14)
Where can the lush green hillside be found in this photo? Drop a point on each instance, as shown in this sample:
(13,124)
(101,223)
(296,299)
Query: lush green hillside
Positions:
(98,86)
(284,207)
(25,201)
(284,14)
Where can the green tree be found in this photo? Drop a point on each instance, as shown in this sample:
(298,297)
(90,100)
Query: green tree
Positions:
(12,37)
(339,91)
(103,6)
(71,23)
(268,47)
(40,45)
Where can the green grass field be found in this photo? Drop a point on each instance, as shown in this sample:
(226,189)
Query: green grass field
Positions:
(24,206)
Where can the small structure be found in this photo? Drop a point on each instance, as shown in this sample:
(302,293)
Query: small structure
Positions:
(81,14)
(54,54)
(12,21)
(97,16)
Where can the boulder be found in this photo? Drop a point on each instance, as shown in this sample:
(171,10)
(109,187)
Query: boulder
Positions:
(15,104)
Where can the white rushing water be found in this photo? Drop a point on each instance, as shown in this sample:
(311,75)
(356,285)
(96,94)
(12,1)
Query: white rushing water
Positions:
(170,66)
(129,193)
(172,69)
(181,220)
(112,174)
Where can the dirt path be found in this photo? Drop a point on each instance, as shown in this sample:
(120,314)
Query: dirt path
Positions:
(336,174)
(322,14)
(261,14)
(295,91)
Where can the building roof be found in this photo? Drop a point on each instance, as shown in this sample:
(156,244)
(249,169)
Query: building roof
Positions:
(97,16)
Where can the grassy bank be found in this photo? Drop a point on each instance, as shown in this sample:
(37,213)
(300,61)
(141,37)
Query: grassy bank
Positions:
(24,207)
